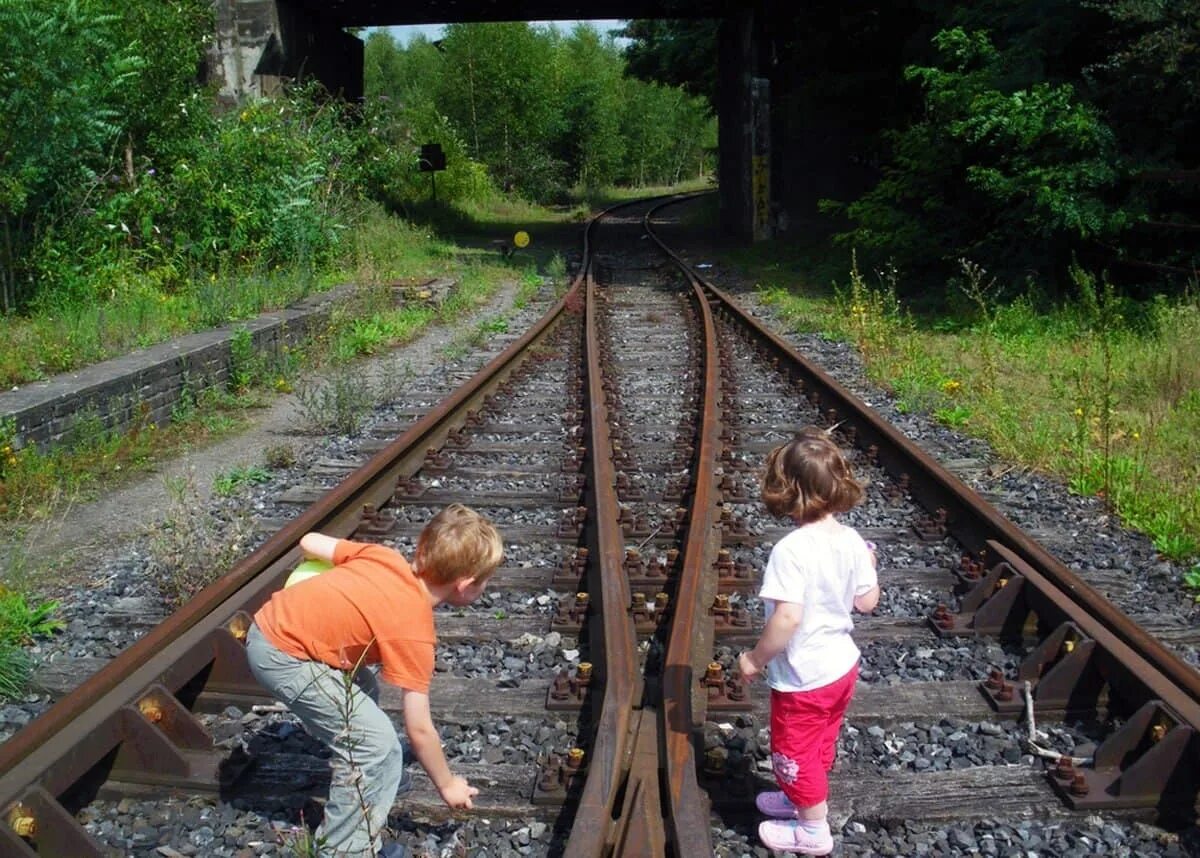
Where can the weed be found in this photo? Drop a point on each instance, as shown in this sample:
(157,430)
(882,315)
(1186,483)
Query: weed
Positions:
(280,456)
(982,294)
(16,668)
(874,318)
(1191,579)
(393,379)
(21,622)
(243,362)
(488,328)
(190,548)
(239,477)
(955,416)
(339,404)
(185,407)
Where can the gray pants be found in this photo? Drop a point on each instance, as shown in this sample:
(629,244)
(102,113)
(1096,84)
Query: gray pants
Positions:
(368,762)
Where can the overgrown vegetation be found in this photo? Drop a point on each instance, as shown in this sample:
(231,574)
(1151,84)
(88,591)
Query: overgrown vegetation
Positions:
(1100,390)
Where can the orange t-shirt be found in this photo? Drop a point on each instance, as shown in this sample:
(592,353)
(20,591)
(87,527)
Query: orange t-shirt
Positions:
(369,608)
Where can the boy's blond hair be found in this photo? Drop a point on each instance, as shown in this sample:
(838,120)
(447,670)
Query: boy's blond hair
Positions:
(808,477)
(458,543)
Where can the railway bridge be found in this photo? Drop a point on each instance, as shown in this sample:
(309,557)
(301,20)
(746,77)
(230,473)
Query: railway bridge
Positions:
(262,43)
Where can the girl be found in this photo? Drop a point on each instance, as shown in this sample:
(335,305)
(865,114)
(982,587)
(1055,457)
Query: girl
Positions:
(814,577)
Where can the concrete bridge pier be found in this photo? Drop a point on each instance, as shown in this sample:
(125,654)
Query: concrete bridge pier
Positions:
(260,44)
(743,104)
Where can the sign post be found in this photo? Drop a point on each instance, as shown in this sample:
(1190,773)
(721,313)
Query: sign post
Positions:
(432,159)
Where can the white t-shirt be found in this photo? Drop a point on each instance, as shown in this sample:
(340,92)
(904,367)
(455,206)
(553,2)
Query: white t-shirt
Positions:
(820,566)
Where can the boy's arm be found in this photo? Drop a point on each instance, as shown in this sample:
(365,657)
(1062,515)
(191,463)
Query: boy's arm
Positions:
(427,745)
(318,545)
(776,634)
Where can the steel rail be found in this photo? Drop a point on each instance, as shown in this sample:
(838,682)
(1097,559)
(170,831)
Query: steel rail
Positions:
(690,644)
(100,718)
(608,771)
(645,750)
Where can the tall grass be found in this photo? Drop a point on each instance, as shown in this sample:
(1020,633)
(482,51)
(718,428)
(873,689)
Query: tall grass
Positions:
(1102,392)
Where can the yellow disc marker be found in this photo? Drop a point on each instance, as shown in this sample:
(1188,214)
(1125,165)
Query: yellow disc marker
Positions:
(521,239)
(306,569)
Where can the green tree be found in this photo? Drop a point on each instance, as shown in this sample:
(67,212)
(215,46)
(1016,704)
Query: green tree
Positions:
(1014,179)
(592,106)
(674,52)
(500,91)
(62,76)
(170,38)
(402,111)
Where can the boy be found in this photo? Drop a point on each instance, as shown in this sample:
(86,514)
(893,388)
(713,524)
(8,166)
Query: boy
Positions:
(371,607)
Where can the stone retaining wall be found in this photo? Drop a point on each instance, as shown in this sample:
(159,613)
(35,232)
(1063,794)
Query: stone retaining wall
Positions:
(149,385)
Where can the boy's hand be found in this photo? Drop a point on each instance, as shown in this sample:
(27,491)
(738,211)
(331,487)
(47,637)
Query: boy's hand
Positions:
(458,793)
(747,667)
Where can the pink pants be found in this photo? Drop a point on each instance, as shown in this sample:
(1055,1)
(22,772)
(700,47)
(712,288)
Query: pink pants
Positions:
(804,732)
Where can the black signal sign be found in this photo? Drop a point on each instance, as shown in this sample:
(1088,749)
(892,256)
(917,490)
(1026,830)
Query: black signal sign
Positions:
(432,157)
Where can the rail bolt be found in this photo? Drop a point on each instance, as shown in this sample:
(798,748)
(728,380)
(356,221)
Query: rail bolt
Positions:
(551,776)
(1064,769)
(151,709)
(239,626)
(1157,732)
(575,758)
(22,821)
(995,678)
(1079,784)
(584,672)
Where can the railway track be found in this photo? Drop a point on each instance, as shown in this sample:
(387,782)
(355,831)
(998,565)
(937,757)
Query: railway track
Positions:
(615,444)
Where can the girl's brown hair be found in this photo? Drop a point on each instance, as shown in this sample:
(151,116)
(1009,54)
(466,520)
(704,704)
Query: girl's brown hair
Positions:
(808,477)
(458,543)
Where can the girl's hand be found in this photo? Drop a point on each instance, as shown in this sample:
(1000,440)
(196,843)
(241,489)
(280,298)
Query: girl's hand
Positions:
(747,666)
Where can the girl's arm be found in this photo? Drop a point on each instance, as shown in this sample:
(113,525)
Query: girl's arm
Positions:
(779,630)
(318,545)
(865,602)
